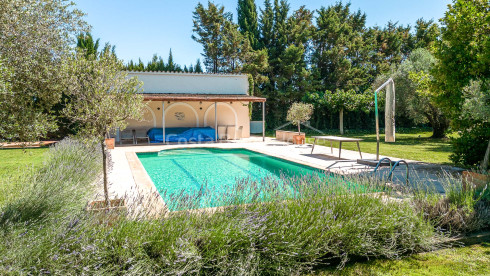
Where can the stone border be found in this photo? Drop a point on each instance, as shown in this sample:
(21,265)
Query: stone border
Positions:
(147,188)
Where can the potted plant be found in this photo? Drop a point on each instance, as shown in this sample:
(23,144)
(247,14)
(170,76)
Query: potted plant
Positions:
(299,113)
(110,142)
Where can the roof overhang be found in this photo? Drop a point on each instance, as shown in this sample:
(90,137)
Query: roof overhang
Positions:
(201,98)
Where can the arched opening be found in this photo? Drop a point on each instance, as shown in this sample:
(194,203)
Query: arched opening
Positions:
(181,115)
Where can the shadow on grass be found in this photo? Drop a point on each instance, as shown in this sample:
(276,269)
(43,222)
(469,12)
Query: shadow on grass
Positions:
(358,265)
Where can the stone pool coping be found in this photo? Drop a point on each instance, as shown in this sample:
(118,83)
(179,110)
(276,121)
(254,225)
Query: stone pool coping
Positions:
(147,188)
(130,175)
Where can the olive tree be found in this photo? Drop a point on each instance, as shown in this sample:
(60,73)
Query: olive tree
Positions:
(35,37)
(299,113)
(101,98)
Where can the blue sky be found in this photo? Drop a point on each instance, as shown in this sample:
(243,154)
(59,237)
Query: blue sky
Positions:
(140,29)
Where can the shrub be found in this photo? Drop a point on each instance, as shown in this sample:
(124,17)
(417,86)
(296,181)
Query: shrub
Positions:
(336,219)
(469,148)
(459,210)
(59,187)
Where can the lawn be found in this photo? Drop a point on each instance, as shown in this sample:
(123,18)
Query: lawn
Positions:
(413,145)
(15,160)
(473,259)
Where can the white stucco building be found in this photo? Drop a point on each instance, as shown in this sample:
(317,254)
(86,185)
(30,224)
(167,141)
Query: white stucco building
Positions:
(189,102)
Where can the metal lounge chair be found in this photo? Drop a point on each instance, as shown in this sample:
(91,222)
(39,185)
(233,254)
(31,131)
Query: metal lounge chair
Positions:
(140,135)
(126,136)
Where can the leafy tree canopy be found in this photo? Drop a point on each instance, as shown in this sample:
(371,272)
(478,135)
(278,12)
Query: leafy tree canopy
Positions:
(463,53)
(39,37)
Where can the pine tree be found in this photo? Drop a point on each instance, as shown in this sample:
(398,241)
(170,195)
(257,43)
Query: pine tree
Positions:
(85,42)
(247,21)
(152,65)
(198,67)
(340,60)
(191,69)
(426,34)
(160,64)
(209,24)
(170,62)
(286,40)
(141,65)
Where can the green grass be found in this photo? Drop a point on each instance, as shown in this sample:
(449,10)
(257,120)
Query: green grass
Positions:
(473,259)
(14,164)
(47,231)
(413,146)
(14,161)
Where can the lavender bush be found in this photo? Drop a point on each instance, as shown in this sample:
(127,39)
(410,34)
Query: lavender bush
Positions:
(261,229)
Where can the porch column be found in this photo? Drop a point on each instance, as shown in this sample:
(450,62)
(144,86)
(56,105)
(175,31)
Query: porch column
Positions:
(163,120)
(215,121)
(263,121)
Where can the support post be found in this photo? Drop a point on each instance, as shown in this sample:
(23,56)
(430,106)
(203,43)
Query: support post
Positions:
(390,113)
(389,81)
(341,122)
(377,123)
(263,121)
(163,121)
(215,121)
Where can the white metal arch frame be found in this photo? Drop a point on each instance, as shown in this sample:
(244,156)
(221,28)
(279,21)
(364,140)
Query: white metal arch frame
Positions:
(168,108)
(206,113)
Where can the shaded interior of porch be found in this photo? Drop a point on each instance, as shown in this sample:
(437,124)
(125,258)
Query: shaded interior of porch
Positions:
(182,118)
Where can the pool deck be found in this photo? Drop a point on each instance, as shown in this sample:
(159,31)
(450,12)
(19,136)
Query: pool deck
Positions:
(128,178)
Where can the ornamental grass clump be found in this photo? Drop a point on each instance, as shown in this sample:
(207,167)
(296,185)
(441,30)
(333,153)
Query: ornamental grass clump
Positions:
(275,226)
(462,208)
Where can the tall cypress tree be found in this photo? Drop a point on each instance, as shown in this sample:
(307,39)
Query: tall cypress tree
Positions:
(247,21)
(266,22)
(170,62)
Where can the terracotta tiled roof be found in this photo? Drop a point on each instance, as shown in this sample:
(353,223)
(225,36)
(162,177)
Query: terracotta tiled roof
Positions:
(201,98)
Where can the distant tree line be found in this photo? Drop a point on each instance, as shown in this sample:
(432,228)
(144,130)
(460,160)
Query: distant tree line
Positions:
(331,59)
(327,57)
(157,64)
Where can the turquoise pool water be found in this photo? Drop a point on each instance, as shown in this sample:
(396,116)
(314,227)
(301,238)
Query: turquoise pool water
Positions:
(215,172)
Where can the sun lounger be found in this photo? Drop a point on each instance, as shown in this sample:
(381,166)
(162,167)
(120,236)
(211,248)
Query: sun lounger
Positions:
(140,135)
(126,136)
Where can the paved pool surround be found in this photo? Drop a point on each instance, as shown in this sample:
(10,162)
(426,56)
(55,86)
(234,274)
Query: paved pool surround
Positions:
(129,179)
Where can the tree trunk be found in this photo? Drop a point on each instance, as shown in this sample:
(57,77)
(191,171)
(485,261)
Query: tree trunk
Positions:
(299,128)
(438,122)
(484,164)
(341,122)
(439,130)
(104,168)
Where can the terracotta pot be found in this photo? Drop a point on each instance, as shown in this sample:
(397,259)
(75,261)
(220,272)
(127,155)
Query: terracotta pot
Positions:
(299,139)
(110,142)
(479,181)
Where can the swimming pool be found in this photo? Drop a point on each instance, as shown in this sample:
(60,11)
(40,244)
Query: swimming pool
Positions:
(215,172)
